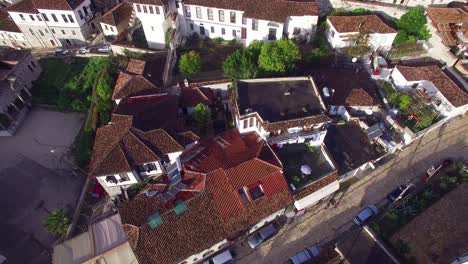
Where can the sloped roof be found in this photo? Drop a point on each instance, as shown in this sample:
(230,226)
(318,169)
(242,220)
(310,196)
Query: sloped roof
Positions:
(214,207)
(136,66)
(128,84)
(120,13)
(365,23)
(433,73)
(116,146)
(278,10)
(191,97)
(443,15)
(32,6)
(7,24)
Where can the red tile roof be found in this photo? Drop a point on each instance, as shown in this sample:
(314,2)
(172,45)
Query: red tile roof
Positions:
(191,97)
(7,24)
(278,10)
(443,15)
(136,66)
(366,23)
(32,6)
(128,84)
(433,73)
(120,13)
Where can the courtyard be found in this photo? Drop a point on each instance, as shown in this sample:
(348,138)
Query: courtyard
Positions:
(36,181)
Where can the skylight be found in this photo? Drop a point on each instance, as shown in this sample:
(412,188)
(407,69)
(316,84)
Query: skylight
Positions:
(154,220)
(180,207)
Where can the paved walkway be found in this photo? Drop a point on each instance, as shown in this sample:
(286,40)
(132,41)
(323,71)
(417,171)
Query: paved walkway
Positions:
(322,225)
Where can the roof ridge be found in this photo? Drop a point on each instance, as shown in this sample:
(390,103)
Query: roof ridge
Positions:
(165,132)
(135,135)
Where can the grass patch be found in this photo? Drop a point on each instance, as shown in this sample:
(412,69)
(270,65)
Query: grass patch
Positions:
(399,51)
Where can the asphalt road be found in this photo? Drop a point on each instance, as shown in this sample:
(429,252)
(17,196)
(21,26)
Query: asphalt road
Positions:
(323,224)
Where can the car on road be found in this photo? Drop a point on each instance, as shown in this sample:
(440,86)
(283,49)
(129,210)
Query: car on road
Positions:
(304,255)
(60,52)
(365,215)
(261,235)
(104,49)
(400,192)
(222,258)
(83,50)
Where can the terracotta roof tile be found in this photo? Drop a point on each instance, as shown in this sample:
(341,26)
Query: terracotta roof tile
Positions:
(316,185)
(128,85)
(120,13)
(306,121)
(136,66)
(163,141)
(278,10)
(366,23)
(442,15)
(191,97)
(451,91)
(7,24)
(25,6)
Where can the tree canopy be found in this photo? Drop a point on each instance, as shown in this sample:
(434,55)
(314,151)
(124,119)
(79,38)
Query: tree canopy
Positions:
(202,115)
(190,64)
(279,57)
(412,26)
(57,222)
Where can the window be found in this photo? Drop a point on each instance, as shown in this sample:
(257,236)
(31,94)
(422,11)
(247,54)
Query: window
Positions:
(233,17)
(70,17)
(234,33)
(244,20)
(251,121)
(245,123)
(123,177)
(22,17)
(105,26)
(4,42)
(296,31)
(210,14)
(41,33)
(187,11)
(63,32)
(45,17)
(53,30)
(221,16)
(152,28)
(112,29)
(272,34)
(39,17)
(332,33)
(243,195)
(145,9)
(157,10)
(111,179)
(54,18)
(212,29)
(16,37)
(155,220)
(32,32)
(198,10)
(65,18)
(223,31)
(46,31)
(191,26)
(151,10)
(81,14)
(30,68)
(256,192)
(32,17)
(33,64)
(254,24)
(85,10)
(202,30)
(73,32)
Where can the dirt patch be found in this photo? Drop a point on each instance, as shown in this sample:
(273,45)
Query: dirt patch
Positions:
(438,235)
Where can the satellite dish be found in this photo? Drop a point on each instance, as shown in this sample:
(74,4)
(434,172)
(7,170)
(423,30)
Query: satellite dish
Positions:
(368,112)
(354,60)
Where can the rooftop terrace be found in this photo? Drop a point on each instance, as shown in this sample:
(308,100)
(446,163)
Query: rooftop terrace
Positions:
(279,99)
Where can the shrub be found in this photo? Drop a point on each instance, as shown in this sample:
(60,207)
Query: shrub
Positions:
(190,64)
(202,115)
(296,180)
(357,51)
(411,27)
(355,12)
(279,57)
(57,222)
(242,64)
(401,100)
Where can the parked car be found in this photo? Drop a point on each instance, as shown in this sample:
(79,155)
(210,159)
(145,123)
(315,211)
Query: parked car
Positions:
(104,49)
(400,192)
(62,52)
(433,170)
(365,215)
(261,235)
(222,258)
(83,50)
(305,255)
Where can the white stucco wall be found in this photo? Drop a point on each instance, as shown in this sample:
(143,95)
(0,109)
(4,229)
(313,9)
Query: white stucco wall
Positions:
(109,30)
(266,220)
(197,257)
(13,39)
(316,196)
(153,24)
(306,24)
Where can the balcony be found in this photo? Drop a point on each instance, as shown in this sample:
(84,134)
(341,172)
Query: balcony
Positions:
(297,137)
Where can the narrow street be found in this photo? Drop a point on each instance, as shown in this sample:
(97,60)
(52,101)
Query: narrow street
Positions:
(321,225)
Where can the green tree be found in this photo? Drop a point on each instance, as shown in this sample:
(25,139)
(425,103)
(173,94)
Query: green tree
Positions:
(402,101)
(425,117)
(57,222)
(279,57)
(242,64)
(202,115)
(412,21)
(190,64)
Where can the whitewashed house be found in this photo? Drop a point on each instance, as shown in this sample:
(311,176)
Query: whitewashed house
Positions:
(156,19)
(54,23)
(293,111)
(249,20)
(117,19)
(10,34)
(432,84)
(367,30)
(412,3)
